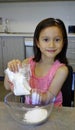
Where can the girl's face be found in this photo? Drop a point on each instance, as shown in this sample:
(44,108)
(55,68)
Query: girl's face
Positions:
(50,41)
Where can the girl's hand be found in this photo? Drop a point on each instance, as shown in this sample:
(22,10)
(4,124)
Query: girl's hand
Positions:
(14,65)
(40,98)
(46,97)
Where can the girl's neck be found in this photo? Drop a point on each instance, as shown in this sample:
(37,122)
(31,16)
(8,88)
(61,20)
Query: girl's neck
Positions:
(43,66)
(46,60)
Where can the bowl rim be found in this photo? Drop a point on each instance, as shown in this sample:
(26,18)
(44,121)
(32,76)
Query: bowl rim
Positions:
(24,106)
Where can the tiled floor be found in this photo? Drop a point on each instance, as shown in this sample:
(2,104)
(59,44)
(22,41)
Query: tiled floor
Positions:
(3,91)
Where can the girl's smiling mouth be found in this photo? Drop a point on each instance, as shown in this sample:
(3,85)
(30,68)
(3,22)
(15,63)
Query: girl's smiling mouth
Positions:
(50,50)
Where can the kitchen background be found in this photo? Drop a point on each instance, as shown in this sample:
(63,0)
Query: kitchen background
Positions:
(24,16)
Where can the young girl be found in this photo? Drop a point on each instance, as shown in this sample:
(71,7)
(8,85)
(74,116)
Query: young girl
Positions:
(48,66)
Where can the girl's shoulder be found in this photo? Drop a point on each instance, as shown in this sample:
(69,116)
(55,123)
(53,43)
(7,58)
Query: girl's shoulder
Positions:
(59,68)
(57,64)
(63,70)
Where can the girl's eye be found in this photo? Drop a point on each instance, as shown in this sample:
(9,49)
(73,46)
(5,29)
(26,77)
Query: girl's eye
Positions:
(57,40)
(46,39)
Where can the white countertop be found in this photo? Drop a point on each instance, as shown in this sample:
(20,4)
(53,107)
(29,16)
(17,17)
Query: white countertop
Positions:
(22,34)
(25,34)
(61,118)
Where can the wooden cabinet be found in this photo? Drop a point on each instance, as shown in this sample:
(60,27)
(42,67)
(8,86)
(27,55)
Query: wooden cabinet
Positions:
(71,51)
(10,48)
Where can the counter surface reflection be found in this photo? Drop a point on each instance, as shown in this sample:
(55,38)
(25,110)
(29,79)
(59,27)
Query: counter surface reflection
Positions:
(62,118)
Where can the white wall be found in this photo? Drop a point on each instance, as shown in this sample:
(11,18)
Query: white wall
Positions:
(23,17)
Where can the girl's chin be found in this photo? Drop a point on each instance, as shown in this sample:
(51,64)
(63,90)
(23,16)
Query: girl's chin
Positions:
(51,55)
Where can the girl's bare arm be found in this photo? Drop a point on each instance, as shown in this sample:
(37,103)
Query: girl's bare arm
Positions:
(56,84)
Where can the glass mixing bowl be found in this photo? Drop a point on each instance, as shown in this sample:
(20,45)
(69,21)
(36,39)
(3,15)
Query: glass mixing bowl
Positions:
(27,114)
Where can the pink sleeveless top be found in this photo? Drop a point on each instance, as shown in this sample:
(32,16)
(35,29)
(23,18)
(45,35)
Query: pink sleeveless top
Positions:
(44,82)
